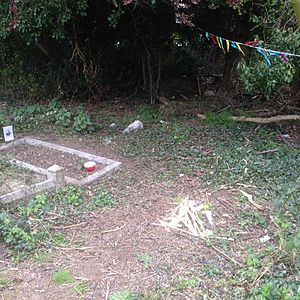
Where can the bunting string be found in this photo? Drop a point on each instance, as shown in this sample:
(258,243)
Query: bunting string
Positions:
(267,54)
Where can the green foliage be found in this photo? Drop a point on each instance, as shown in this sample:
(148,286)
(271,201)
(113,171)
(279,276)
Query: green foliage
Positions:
(114,17)
(36,115)
(145,258)
(180,132)
(72,195)
(63,118)
(236,161)
(252,218)
(148,113)
(258,77)
(15,79)
(4,282)
(276,290)
(293,248)
(29,225)
(121,295)
(101,199)
(211,270)
(82,121)
(17,233)
(80,288)
(187,283)
(38,17)
(222,118)
(37,206)
(61,277)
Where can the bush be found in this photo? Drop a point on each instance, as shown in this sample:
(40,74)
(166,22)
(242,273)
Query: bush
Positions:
(258,77)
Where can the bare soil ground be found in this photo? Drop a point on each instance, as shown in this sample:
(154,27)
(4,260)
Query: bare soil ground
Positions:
(12,177)
(45,158)
(113,261)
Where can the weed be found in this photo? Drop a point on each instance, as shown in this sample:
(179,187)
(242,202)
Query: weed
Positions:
(101,199)
(148,113)
(63,118)
(211,270)
(222,118)
(54,105)
(252,218)
(38,206)
(82,121)
(61,277)
(187,283)
(17,233)
(145,258)
(59,239)
(293,247)
(272,290)
(4,282)
(72,195)
(121,295)
(80,288)
(40,257)
(180,132)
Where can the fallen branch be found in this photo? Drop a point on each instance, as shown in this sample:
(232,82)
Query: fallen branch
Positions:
(260,120)
(267,151)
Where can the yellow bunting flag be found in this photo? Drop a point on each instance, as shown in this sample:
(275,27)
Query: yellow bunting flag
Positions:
(228,45)
(218,42)
(237,44)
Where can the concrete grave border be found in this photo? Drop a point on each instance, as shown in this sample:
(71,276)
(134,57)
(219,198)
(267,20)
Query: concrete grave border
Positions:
(55,176)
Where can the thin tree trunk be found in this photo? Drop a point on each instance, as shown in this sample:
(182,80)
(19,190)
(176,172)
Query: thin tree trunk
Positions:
(144,73)
(150,77)
(158,75)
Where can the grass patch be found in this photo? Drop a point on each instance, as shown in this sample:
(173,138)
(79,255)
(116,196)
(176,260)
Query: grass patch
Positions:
(41,258)
(121,295)
(4,282)
(145,258)
(80,288)
(187,283)
(61,277)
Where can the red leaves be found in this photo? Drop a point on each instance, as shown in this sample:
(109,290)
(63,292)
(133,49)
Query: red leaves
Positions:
(127,2)
(185,19)
(13,10)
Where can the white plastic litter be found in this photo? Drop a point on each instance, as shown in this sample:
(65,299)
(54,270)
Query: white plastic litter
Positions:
(135,126)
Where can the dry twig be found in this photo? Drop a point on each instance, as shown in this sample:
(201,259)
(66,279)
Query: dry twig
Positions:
(114,230)
(250,199)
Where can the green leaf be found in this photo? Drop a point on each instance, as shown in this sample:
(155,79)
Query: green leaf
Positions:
(296,241)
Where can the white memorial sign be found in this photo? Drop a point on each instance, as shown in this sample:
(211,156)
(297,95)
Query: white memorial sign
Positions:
(8,133)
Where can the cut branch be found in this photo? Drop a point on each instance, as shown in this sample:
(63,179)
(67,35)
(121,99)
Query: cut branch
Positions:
(260,120)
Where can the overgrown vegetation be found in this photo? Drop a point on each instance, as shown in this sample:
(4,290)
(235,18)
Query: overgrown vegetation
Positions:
(31,116)
(28,226)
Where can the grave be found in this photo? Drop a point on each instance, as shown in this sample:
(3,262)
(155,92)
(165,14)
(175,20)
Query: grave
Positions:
(55,164)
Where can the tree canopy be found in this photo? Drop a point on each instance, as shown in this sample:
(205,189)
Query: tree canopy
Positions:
(87,45)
